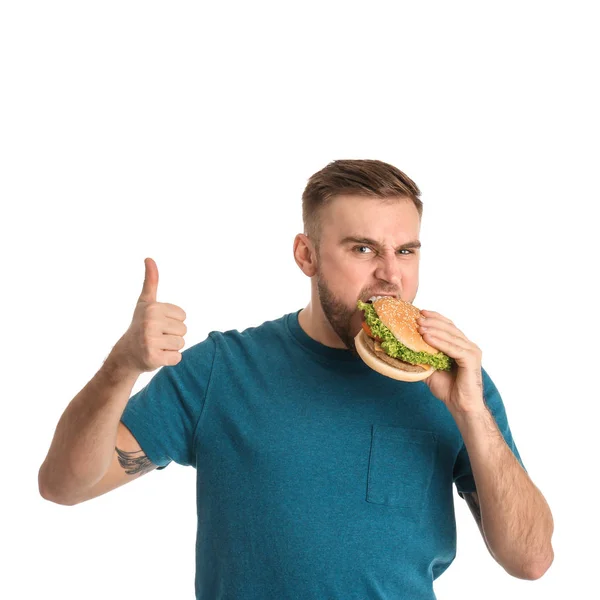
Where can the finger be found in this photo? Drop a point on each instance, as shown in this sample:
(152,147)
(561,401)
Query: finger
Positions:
(446,336)
(437,323)
(454,347)
(150,282)
(171,342)
(433,314)
(173,311)
(174,327)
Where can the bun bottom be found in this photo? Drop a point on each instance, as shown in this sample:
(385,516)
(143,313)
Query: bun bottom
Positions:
(382,367)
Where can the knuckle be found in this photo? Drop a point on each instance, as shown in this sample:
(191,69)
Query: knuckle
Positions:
(152,309)
(146,341)
(147,322)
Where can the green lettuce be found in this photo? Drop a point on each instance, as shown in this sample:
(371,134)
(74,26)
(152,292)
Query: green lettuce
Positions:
(395,349)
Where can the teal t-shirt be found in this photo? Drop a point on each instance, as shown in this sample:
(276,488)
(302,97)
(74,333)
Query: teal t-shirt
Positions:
(317,478)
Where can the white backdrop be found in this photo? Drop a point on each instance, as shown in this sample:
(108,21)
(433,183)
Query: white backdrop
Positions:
(186,132)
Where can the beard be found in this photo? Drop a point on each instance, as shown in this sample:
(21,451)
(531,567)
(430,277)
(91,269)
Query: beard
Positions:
(337,313)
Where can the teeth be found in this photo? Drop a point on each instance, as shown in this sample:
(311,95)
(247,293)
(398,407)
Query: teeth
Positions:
(373,298)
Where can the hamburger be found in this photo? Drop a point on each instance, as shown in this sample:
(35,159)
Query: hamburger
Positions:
(390,343)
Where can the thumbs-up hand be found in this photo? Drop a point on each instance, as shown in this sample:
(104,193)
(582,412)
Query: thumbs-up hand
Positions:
(155,336)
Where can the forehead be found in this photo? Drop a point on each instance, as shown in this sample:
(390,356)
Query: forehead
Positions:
(377,218)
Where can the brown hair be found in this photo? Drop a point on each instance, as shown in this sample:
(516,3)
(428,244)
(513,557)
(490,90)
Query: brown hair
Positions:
(369,178)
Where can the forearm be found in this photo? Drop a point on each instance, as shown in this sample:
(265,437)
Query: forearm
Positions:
(84,441)
(515,517)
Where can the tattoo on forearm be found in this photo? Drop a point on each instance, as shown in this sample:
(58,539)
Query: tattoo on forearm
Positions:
(134,462)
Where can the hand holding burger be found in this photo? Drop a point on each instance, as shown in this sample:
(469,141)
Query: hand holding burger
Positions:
(402,342)
(390,343)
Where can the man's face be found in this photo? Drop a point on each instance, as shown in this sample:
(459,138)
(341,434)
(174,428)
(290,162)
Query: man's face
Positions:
(361,255)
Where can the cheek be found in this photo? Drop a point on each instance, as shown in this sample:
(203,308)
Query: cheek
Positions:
(346,278)
(337,268)
(411,275)
(349,282)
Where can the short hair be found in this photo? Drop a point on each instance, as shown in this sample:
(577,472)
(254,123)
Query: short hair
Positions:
(368,178)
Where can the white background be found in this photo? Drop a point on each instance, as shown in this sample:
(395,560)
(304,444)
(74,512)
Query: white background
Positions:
(186,132)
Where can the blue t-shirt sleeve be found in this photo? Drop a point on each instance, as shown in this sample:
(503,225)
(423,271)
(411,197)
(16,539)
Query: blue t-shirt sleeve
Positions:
(463,475)
(163,415)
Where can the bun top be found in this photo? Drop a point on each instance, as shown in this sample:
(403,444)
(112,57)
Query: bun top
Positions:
(400,318)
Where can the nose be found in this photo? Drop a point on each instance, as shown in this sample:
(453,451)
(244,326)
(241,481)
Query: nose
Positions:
(389,270)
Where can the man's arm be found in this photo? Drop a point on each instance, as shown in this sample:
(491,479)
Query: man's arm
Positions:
(83,449)
(515,518)
(472,501)
(512,514)
(129,462)
(92,452)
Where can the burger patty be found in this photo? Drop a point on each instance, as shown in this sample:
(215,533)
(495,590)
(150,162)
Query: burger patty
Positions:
(394,362)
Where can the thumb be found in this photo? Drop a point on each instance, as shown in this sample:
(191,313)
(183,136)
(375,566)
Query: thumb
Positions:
(150,282)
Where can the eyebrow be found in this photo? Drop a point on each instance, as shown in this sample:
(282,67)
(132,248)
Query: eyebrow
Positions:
(351,239)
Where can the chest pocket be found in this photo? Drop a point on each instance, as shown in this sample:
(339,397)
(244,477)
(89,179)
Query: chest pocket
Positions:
(401,465)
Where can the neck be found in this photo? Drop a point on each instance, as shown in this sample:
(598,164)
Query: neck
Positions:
(315,324)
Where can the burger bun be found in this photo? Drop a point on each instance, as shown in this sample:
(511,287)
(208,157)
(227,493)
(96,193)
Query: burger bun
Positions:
(377,364)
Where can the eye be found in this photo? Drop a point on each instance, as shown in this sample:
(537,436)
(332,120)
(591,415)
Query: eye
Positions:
(357,249)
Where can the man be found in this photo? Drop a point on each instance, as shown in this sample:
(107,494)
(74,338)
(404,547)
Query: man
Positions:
(316,476)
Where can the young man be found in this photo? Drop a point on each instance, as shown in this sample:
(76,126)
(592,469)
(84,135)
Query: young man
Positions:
(317,477)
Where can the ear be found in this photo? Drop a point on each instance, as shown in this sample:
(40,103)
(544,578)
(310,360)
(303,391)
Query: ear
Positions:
(305,255)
